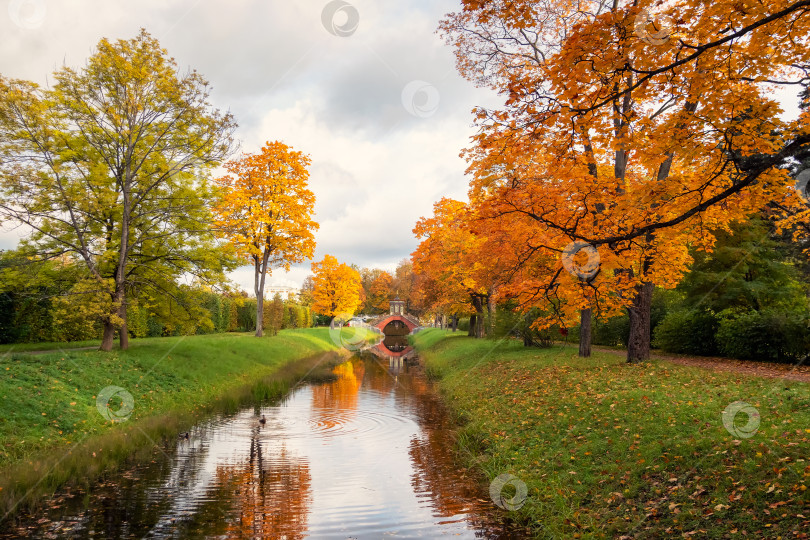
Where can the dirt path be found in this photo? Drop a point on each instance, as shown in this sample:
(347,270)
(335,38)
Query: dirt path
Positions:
(790,372)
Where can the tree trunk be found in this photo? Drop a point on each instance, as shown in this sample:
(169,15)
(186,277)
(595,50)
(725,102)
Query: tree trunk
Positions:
(108,336)
(260,313)
(473,324)
(490,315)
(585,317)
(455,322)
(260,269)
(478,304)
(123,336)
(638,345)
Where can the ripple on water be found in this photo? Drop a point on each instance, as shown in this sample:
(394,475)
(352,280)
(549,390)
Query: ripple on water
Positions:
(365,456)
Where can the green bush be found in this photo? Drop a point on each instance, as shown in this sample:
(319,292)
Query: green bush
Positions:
(613,332)
(512,323)
(687,332)
(764,335)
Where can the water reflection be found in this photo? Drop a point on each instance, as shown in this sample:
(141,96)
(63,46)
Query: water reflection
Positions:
(365,456)
(396,344)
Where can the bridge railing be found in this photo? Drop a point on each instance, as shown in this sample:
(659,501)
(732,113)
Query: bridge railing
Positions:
(413,320)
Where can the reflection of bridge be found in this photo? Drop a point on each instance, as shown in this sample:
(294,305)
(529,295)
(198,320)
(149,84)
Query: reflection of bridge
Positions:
(396,358)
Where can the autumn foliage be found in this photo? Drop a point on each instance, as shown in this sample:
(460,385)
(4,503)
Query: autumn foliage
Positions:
(630,130)
(266,211)
(336,288)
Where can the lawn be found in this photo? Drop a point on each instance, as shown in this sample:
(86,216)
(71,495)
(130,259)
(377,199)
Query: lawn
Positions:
(608,449)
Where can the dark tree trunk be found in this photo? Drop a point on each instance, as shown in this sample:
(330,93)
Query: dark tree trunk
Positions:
(455,322)
(478,304)
(638,345)
(473,324)
(123,336)
(490,315)
(108,337)
(585,334)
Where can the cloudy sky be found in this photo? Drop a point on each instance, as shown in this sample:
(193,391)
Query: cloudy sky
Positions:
(366,88)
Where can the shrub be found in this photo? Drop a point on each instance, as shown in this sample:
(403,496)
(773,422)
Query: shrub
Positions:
(688,332)
(509,322)
(613,332)
(764,335)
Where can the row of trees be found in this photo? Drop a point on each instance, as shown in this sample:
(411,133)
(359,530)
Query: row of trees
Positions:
(624,148)
(54,305)
(109,171)
(379,287)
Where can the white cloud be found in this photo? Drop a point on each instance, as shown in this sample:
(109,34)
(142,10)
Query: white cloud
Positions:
(376,167)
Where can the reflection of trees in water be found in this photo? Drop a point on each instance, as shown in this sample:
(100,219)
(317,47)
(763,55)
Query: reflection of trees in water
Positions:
(377,376)
(338,396)
(269,498)
(437,471)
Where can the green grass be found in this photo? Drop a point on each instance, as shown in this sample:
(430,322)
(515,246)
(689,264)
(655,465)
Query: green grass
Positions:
(48,346)
(51,431)
(609,449)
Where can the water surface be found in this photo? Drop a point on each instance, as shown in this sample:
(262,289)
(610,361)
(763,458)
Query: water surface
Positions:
(368,455)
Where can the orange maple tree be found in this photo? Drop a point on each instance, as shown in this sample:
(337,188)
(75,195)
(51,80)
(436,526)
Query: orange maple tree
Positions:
(336,288)
(380,291)
(458,266)
(266,212)
(630,130)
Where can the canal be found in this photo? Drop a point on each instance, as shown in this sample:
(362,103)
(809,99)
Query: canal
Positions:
(369,454)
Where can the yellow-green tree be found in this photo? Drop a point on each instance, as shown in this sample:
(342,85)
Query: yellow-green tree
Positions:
(336,288)
(266,212)
(108,168)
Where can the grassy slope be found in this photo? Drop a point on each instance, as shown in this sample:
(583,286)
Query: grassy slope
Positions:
(11,348)
(609,449)
(50,425)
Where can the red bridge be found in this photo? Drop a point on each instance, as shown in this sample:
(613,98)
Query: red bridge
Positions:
(397,320)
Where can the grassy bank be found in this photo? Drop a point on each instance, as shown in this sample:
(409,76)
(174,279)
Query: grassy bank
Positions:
(53,431)
(610,450)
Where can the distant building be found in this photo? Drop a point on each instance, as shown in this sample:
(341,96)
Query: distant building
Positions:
(283,290)
(397,306)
